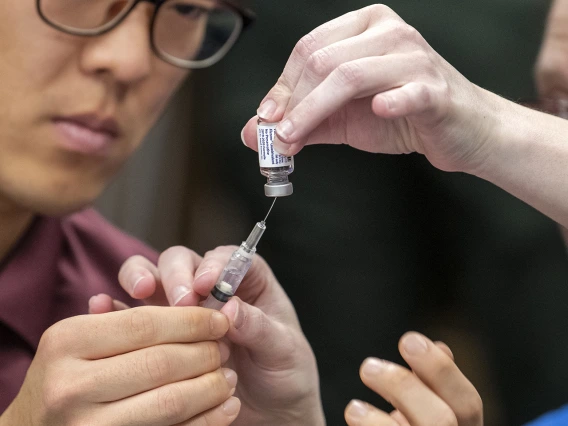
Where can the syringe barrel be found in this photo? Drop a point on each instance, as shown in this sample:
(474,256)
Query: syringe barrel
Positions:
(213,303)
(230,279)
(235,270)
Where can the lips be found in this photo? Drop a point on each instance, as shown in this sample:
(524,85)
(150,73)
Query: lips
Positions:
(87,134)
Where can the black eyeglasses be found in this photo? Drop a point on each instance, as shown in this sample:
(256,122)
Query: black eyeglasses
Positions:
(184,33)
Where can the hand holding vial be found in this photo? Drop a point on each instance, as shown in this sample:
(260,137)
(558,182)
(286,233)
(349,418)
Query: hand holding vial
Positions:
(369,80)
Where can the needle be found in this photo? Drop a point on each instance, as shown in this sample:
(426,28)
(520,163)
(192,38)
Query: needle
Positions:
(268,214)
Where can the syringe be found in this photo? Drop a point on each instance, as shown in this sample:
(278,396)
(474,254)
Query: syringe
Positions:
(236,269)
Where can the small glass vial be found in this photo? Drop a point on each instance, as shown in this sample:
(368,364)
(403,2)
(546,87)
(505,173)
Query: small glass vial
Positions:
(274,166)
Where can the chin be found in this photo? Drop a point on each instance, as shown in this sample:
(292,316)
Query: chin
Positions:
(60,209)
(46,201)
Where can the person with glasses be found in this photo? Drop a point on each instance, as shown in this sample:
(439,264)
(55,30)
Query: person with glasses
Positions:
(82,83)
(79,91)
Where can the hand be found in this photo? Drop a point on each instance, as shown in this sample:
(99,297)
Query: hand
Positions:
(369,80)
(551,72)
(278,379)
(435,392)
(145,366)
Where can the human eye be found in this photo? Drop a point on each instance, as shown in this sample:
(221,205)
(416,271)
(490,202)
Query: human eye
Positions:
(189,10)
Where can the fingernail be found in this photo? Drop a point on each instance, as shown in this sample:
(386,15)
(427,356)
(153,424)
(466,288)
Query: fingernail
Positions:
(414,344)
(179,293)
(373,366)
(231,377)
(267,109)
(219,324)
(239,320)
(284,130)
(136,282)
(280,147)
(224,352)
(357,409)
(243,137)
(391,103)
(201,275)
(231,406)
(91,300)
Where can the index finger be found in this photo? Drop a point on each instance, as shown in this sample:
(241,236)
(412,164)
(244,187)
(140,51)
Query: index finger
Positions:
(177,266)
(439,372)
(114,333)
(273,106)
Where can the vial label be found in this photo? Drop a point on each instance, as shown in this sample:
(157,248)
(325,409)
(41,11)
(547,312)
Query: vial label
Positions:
(266,154)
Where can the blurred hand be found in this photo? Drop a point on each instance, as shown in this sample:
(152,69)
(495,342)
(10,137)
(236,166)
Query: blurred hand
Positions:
(369,80)
(551,72)
(433,392)
(144,366)
(278,378)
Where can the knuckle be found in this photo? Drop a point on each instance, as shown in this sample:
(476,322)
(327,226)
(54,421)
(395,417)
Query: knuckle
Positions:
(59,395)
(306,46)
(55,339)
(211,355)
(282,88)
(320,63)
(421,57)
(445,418)
(424,95)
(218,384)
(443,366)
(472,412)
(158,365)
(378,10)
(411,33)
(170,404)
(194,321)
(173,252)
(399,381)
(350,74)
(140,326)
(402,32)
(221,250)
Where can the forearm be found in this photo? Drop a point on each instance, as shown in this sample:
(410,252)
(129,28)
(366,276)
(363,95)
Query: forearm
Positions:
(529,157)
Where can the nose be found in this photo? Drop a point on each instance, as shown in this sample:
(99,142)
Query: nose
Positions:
(124,52)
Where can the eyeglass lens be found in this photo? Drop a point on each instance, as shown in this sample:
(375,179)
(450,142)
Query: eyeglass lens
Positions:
(188,30)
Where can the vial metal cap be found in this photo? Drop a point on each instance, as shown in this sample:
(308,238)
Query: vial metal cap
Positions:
(278,189)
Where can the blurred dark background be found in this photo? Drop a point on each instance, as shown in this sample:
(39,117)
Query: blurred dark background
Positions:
(370,246)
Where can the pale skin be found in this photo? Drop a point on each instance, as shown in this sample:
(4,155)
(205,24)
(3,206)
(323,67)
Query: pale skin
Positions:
(369,80)
(278,380)
(395,95)
(144,366)
(551,71)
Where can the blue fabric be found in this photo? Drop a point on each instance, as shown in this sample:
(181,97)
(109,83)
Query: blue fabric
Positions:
(554,418)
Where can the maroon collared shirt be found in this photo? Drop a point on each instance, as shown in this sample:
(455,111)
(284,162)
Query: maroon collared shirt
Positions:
(50,275)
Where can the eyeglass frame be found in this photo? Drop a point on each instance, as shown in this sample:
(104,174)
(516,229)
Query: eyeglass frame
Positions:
(246,15)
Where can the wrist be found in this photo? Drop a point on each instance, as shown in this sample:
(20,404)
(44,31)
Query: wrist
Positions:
(528,158)
(484,117)
(307,411)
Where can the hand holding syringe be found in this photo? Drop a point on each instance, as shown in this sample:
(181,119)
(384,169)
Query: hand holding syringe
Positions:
(236,268)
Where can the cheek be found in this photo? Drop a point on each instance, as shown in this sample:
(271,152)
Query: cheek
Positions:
(32,54)
(153,97)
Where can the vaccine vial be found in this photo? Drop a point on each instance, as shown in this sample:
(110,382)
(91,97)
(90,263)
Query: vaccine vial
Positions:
(274,166)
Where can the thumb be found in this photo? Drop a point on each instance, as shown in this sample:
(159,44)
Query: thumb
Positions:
(270,342)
